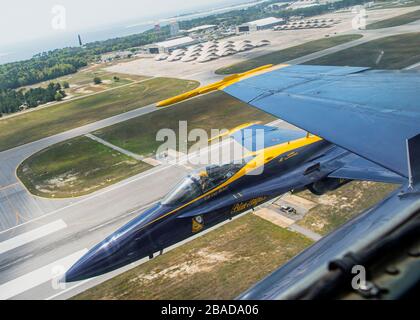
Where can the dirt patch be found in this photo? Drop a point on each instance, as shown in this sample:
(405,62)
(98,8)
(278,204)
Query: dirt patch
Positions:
(337,207)
(202,261)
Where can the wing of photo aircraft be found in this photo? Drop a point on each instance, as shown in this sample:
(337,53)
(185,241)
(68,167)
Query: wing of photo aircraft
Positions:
(375,114)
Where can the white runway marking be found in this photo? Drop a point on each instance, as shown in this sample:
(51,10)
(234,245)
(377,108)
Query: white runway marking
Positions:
(413,66)
(68,289)
(113,146)
(38,277)
(32,235)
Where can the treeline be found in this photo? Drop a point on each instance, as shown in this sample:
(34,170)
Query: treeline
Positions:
(60,62)
(234,17)
(260,11)
(42,67)
(12,101)
(321,9)
(127,42)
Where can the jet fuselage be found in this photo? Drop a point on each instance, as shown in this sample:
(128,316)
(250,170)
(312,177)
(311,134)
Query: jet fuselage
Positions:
(180,216)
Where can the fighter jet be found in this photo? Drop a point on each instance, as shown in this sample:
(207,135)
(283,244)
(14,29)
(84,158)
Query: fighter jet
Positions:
(279,161)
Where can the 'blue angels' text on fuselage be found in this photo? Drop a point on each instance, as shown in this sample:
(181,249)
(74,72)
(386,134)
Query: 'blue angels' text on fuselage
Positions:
(242,206)
(212,195)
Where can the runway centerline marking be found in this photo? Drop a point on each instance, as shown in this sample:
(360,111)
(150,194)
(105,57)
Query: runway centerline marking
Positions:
(32,235)
(37,277)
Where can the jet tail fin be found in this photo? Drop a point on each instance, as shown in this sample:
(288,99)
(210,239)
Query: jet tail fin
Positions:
(413,156)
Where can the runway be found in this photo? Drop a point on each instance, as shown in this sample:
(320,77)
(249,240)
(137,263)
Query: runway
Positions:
(39,237)
(82,224)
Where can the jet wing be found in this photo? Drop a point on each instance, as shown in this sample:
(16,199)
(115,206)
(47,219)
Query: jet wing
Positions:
(357,168)
(256,137)
(370,113)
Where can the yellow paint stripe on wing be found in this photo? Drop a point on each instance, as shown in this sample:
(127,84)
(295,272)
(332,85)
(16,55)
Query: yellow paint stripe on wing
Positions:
(219,85)
(252,73)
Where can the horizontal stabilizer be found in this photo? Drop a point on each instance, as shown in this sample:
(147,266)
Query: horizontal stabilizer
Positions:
(413,155)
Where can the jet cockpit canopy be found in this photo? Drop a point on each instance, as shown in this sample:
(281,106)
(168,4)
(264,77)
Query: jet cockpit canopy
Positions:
(201,181)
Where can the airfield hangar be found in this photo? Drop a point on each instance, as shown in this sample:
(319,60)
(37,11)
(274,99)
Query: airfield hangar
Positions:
(260,24)
(170,45)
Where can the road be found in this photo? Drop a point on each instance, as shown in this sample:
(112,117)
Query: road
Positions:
(38,234)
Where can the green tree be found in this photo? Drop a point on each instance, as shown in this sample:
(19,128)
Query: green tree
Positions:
(97,80)
(58,96)
(66,85)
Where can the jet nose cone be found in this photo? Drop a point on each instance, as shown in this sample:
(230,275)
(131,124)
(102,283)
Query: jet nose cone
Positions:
(86,266)
(75,273)
(126,245)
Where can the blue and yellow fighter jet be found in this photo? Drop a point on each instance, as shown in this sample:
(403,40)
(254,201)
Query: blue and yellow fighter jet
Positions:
(291,160)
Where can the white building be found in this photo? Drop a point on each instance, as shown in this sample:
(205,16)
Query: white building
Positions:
(161,57)
(260,24)
(173,28)
(206,27)
(107,57)
(207,57)
(244,47)
(262,43)
(169,45)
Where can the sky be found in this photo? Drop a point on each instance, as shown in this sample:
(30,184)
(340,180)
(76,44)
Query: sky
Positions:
(26,20)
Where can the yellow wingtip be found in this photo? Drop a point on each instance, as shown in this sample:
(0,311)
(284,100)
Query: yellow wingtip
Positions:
(219,85)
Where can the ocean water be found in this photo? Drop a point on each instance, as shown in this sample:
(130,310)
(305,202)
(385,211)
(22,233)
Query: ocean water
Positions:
(26,50)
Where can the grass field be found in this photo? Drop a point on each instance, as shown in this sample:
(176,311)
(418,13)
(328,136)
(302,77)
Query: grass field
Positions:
(337,207)
(394,52)
(76,167)
(81,82)
(395,21)
(284,55)
(218,265)
(41,123)
(212,111)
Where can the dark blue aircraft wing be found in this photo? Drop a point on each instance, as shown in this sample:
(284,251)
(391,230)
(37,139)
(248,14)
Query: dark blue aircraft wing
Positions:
(256,137)
(357,168)
(370,113)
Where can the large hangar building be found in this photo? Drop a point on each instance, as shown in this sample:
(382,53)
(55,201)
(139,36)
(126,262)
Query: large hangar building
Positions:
(170,45)
(260,24)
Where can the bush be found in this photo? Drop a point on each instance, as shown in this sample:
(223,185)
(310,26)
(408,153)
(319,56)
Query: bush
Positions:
(58,96)
(97,80)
